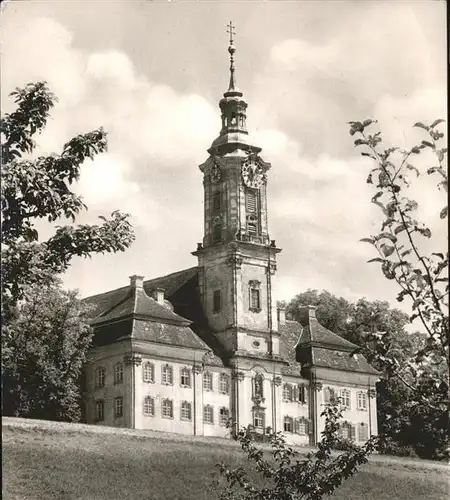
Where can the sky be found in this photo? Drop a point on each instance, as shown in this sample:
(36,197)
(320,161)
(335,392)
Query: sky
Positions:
(151,74)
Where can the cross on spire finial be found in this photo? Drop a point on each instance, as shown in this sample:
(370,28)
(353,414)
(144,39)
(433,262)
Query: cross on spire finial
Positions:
(231,30)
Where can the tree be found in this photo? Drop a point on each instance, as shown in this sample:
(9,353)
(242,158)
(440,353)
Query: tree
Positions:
(44,355)
(40,189)
(422,278)
(285,476)
(34,189)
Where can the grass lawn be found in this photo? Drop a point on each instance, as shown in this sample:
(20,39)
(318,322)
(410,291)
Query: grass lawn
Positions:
(46,460)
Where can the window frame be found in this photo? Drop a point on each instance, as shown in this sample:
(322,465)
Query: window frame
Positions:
(185,373)
(346,398)
(259,416)
(147,380)
(208,409)
(118,413)
(363,425)
(163,374)
(224,380)
(208,376)
(167,403)
(361,397)
(100,382)
(288,387)
(216,201)
(145,405)
(288,421)
(118,373)
(186,406)
(224,416)
(99,403)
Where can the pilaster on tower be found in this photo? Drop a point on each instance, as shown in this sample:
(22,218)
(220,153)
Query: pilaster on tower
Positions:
(237,258)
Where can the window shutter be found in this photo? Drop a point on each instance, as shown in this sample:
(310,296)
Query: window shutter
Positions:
(352,431)
(251,201)
(295,393)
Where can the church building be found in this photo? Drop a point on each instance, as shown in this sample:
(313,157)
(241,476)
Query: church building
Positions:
(193,350)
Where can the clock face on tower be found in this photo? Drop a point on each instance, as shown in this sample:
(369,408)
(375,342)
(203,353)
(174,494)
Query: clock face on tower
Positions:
(252,173)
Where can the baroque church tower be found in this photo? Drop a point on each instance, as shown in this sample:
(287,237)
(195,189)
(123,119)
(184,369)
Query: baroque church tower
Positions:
(237,258)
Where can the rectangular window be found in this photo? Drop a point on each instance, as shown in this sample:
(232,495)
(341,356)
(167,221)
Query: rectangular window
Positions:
(287,392)
(251,201)
(185,377)
(345,398)
(255,303)
(362,401)
(100,376)
(301,426)
(258,420)
(149,406)
(363,432)
(167,408)
(208,414)
(186,411)
(167,375)
(207,381)
(224,415)
(217,301)
(148,371)
(224,384)
(288,424)
(118,373)
(118,407)
(99,411)
(217,201)
(302,393)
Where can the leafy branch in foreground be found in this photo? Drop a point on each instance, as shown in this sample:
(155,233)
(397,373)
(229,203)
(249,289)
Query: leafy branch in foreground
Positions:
(282,474)
(40,188)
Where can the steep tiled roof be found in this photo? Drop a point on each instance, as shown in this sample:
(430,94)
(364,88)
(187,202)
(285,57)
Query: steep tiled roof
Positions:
(137,303)
(320,347)
(338,360)
(316,334)
(171,283)
(290,332)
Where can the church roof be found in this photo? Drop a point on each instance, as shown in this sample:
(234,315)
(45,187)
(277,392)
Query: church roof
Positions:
(313,333)
(319,347)
(290,332)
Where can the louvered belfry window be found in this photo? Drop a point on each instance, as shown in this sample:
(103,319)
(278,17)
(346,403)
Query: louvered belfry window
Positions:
(251,201)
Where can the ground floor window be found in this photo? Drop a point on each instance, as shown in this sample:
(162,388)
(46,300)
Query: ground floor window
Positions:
(149,406)
(167,408)
(363,432)
(301,426)
(224,415)
(208,414)
(186,411)
(118,407)
(288,424)
(99,411)
(258,419)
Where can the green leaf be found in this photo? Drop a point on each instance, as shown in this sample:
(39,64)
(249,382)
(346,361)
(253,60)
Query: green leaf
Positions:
(428,144)
(376,196)
(444,213)
(376,259)
(367,240)
(440,255)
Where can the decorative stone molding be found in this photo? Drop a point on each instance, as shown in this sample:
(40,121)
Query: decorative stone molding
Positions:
(132,359)
(239,376)
(197,369)
(317,386)
(271,268)
(235,260)
(255,284)
(277,381)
